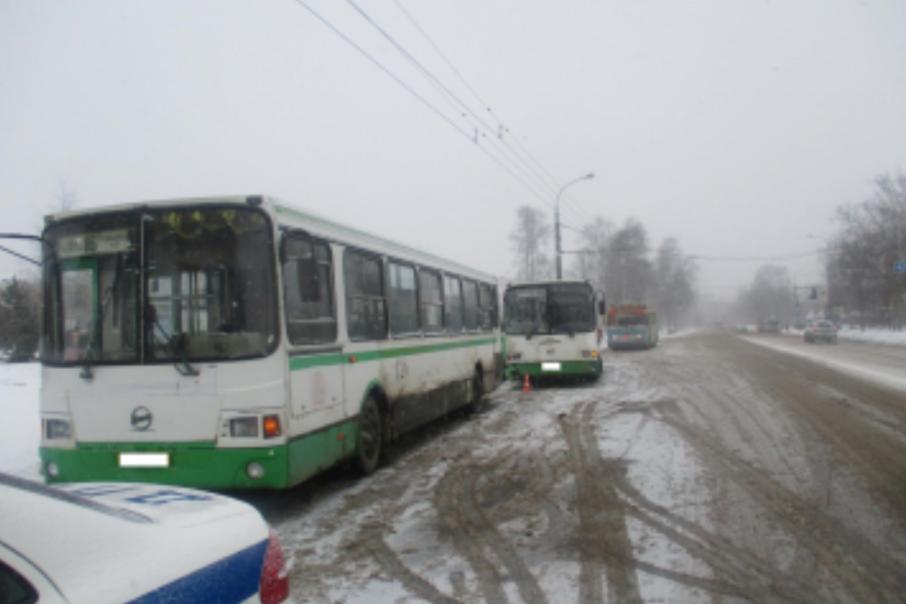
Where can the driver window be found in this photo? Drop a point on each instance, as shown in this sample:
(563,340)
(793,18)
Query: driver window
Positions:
(308,291)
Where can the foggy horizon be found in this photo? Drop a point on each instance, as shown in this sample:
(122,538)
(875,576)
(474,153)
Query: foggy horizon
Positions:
(737,128)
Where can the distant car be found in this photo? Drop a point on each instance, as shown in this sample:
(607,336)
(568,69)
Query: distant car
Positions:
(119,542)
(820,331)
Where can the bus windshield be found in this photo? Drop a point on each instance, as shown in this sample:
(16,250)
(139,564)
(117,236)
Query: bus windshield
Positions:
(550,308)
(207,282)
(632,320)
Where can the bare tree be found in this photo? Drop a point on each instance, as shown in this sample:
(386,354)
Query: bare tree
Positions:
(628,274)
(864,261)
(674,276)
(530,239)
(770,295)
(65,198)
(592,260)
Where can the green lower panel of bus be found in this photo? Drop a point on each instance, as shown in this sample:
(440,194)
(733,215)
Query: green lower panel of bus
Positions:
(202,464)
(567,368)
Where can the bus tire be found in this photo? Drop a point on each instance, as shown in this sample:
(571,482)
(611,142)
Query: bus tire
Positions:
(369,442)
(477,386)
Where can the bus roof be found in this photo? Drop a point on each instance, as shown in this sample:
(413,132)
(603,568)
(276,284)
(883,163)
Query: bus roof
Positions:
(288,215)
(545,283)
(330,229)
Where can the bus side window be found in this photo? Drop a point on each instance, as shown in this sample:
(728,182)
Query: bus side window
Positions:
(452,304)
(487,306)
(308,291)
(470,305)
(431,303)
(402,298)
(366,310)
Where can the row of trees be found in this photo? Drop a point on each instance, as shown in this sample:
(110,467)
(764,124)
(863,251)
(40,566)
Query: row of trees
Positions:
(771,296)
(20,301)
(615,260)
(866,259)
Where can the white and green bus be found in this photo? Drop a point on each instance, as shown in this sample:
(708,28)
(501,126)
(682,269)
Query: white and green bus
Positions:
(238,342)
(553,329)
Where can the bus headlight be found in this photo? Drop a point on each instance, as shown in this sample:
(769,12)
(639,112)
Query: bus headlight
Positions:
(57,429)
(589,354)
(244,427)
(514,356)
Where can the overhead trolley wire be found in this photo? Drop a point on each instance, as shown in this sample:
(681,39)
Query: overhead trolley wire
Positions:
(552,182)
(433,108)
(526,169)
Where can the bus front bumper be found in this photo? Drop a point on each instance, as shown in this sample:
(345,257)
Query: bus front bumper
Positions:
(589,367)
(200,465)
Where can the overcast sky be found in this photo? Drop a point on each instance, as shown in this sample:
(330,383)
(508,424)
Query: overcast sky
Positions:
(736,126)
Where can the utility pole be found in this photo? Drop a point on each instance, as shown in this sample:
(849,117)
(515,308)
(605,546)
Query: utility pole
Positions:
(558,249)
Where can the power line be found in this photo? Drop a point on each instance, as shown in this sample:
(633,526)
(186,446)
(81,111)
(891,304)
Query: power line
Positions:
(552,182)
(776,258)
(381,66)
(3,248)
(526,170)
(418,96)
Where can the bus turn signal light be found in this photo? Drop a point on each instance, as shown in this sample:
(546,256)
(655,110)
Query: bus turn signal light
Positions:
(271,426)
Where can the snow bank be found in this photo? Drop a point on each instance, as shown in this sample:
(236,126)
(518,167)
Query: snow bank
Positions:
(20,428)
(874,335)
(885,376)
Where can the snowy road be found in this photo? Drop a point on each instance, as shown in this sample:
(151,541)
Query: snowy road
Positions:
(876,362)
(709,469)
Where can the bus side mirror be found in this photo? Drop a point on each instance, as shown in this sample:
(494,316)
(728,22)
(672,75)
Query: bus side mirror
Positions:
(602,307)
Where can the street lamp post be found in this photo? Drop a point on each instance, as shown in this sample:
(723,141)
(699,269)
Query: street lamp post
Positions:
(559,251)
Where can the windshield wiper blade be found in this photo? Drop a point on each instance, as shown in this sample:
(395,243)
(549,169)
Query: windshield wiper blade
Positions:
(182,365)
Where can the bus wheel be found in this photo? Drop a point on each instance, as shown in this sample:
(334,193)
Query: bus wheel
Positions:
(369,441)
(477,402)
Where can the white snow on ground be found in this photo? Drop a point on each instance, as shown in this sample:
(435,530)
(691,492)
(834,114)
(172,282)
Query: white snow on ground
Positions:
(890,377)
(874,335)
(679,333)
(871,335)
(20,425)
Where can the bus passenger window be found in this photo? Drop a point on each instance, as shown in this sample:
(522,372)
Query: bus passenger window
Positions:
(308,291)
(452,304)
(470,305)
(366,313)
(487,306)
(402,299)
(431,304)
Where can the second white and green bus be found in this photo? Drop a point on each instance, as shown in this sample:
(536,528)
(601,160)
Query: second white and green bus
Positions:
(239,342)
(552,329)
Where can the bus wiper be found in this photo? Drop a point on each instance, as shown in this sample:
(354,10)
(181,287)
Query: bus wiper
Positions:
(86,373)
(182,365)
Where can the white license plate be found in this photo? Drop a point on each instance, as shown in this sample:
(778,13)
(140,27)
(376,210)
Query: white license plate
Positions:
(550,366)
(144,460)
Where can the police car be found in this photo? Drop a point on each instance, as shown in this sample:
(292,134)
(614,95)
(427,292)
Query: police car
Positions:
(126,542)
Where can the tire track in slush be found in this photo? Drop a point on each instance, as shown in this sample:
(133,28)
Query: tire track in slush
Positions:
(473,534)
(733,575)
(830,543)
(813,529)
(603,539)
(388,560)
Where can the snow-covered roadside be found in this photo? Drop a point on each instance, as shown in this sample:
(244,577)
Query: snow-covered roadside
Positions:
(665,334)
(873,335)
(20,429)
(892,378)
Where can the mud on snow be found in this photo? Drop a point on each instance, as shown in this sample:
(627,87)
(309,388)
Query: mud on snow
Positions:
(687,473)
